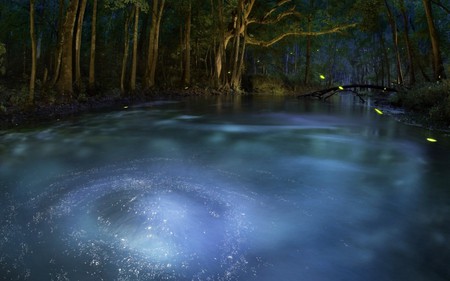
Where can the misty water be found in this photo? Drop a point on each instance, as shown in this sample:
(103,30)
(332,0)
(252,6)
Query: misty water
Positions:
(235,188)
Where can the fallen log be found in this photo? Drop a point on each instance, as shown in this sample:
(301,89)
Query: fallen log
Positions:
(319,94)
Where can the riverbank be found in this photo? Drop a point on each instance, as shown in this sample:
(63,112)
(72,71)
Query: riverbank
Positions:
(401,106)
(13,115)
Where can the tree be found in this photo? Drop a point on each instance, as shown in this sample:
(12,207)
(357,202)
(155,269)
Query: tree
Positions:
(243,20)
(135,44)
(186,75)
(125,50)
(409,48)
(65,77)
(438,66)
(93,46)
(33,54)
(79,30)
(153,44)
(393,25)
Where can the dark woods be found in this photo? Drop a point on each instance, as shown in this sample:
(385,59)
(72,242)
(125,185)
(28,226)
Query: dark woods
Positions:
(58,51)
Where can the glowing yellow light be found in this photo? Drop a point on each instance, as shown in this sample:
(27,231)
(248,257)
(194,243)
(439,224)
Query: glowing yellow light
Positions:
(322,77)
(125,106)
(341,88)
(431,140)
(378,111)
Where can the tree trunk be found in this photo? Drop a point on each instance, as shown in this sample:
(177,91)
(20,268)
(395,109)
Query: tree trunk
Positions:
(33,54)
(135,45)
(238,24)
(220,57)
(125,51)
(386,62)
(438,66)
(65,79)
(393,25)
(152,55)
(93,45)
(58,51)
(308,54)
(79,31)
(412,71)
(186,77)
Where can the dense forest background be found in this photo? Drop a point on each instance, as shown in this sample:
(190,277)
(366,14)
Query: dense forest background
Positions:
(59,50)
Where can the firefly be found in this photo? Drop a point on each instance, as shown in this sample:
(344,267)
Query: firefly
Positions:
(125,106)
(378,111)
(341,88)
(431,140)
(322,77)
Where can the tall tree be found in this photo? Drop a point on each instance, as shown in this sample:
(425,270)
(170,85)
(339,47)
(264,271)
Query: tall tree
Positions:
(438,66)
(156,13)
(33,54)
(409,49)
(241,21)
(135,45)
(93,46)
(78,33)
(59,45)
(308,47)
(128,18)
(394,31)
(186,76)
(65,77)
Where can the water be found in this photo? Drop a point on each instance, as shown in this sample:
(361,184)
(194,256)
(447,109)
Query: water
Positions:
(241,188)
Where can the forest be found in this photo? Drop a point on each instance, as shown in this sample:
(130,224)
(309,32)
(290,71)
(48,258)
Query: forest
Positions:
(60,51)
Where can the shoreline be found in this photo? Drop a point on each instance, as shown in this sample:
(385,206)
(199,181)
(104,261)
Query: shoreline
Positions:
(40,113)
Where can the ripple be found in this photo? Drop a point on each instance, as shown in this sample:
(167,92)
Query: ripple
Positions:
(148,219)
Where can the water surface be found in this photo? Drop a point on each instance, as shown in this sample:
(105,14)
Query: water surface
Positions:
(243,188)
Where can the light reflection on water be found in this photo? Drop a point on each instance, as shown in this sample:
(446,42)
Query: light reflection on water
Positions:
(234,190)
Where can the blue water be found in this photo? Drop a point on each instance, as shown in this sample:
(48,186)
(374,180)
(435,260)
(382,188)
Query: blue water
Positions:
(243,188)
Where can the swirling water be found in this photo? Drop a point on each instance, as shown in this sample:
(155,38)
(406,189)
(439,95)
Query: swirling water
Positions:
(225,189)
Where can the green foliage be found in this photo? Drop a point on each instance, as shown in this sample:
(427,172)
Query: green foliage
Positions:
(267,85)
(121,4)
(431,100)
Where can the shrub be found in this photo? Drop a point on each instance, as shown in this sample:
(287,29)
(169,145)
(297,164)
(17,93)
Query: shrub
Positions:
(430,99)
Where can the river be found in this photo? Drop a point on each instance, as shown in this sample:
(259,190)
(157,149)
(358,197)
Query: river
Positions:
(226,188)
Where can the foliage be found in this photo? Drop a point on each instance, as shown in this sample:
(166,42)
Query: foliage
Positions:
(121,4)
(260,84)
(430,99)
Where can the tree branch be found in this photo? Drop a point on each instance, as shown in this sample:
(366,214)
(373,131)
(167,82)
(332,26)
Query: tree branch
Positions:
(438,3)
(253,41)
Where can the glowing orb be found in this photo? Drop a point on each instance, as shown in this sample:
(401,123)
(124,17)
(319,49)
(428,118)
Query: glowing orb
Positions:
(431,140)
(341,88)
(378,111)
(322,77)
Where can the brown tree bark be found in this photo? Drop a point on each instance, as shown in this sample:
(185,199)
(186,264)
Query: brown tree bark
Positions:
(438,66)
(393,25)
(78,33)
(91,84)
(135,45)
(33,54)
(126,47)
(308,54)
(65,79)
(412,70)
(152,55)
(186,76)
(58,50)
